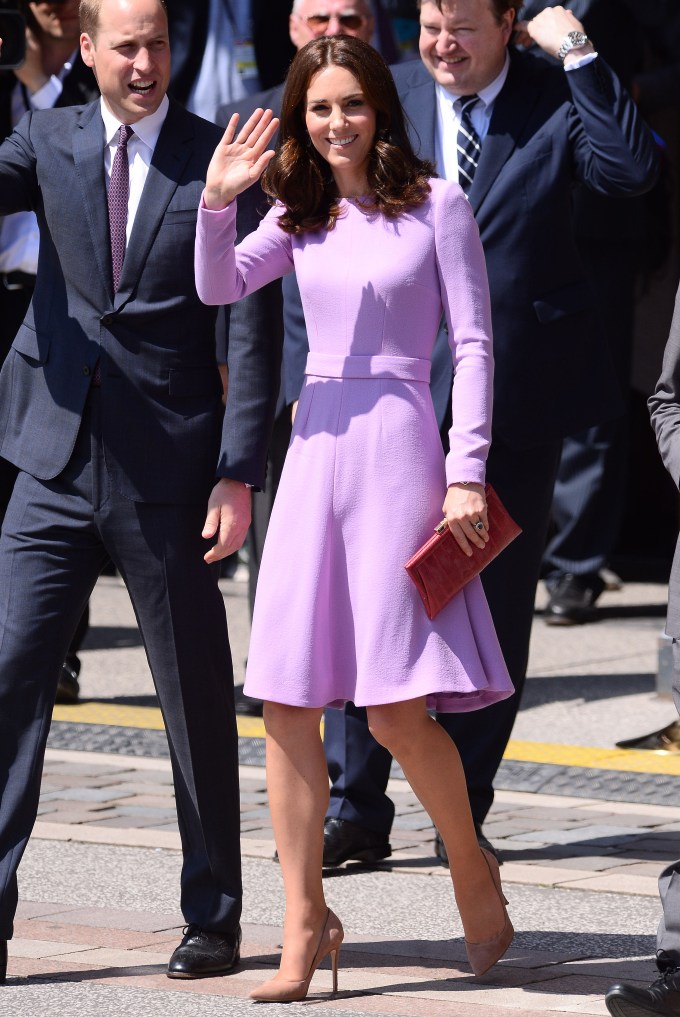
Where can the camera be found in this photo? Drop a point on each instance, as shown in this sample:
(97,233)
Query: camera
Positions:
(12,33)
(14,16)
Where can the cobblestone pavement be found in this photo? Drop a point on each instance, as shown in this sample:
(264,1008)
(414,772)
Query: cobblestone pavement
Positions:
(583,830)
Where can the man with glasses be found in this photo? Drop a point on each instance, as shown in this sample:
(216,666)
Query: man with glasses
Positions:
(328,17)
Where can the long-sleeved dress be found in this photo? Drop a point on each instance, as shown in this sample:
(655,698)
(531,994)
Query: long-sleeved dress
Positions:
(336,616)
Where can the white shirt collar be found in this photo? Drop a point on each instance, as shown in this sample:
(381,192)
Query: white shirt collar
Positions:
(489,93)
(147,129)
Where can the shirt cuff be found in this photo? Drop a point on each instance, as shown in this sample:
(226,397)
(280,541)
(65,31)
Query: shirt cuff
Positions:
(574,65)
(46,97)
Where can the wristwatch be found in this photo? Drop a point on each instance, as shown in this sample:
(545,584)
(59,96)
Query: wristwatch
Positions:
(572,41)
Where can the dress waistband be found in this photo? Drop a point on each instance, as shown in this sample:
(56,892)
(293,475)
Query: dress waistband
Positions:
(334,365)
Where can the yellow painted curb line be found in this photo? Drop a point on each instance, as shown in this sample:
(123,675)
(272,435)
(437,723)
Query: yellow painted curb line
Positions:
(586,757)
(111,714)
(624,760)
(147,717)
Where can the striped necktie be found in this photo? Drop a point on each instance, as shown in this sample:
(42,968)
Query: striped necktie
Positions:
(468,142)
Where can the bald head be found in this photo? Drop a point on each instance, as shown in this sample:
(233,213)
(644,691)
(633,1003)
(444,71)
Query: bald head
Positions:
(310,19)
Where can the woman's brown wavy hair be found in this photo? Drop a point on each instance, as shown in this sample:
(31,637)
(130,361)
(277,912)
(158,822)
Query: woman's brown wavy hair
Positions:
(301,179)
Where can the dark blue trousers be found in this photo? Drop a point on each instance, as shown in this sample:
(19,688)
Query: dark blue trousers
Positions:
(591,480)
(56,537)
(359,767)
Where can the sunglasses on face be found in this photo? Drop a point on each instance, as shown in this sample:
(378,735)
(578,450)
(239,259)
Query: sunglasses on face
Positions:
(319,22)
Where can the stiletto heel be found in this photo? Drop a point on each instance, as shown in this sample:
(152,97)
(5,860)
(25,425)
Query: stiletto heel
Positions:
(483,956)
(288,990)
(335,956)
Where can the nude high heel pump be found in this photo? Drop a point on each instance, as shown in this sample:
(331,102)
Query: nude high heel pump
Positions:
(483,956)
(286,990)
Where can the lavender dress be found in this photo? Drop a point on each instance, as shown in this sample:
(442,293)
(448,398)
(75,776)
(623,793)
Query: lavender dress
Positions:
(336,616)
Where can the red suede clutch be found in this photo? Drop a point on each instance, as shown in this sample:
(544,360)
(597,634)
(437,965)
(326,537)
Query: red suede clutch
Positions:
(440,569)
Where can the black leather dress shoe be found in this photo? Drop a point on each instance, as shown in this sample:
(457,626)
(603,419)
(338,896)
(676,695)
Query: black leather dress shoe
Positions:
(244,705)
(440,847)
(572,600)
(661,999)
(343,840)
(3,961)
(204,954)
(68,688)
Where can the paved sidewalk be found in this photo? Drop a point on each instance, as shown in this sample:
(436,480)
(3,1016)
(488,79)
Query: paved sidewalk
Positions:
(99,914)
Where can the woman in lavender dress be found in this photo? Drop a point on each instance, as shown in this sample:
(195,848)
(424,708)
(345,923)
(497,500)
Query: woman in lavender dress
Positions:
(380,249)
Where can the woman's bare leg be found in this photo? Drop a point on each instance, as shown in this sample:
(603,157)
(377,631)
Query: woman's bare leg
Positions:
(297,786)
(432,766)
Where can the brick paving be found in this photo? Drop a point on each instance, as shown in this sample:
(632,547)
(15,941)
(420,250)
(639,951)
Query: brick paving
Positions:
(98,914)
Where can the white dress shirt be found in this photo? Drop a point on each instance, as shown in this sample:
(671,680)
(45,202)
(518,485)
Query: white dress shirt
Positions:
(448,118)
(140,151)
(448,122)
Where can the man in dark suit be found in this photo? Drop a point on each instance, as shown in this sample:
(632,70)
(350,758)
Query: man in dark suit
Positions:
(662,997)
(541,129)
(616,244)
(111,408)
(53,74)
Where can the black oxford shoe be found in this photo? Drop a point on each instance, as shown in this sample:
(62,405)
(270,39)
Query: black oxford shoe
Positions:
(68,689)
(572,600)
(204,954)
(3,961)
(344,841)
(484,842)
(660,999)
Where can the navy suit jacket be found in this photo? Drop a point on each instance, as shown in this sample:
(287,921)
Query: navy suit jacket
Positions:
(549,131)
(165,434)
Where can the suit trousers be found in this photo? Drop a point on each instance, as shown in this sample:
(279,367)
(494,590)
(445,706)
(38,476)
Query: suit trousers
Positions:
(668,934)
(358,767)
(57,536)
(591,480)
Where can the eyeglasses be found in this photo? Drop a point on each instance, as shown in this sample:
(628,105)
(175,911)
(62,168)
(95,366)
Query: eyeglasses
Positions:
(319,22)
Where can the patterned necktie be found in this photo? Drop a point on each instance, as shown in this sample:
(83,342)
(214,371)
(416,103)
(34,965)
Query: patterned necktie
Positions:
(468,142)
(119,192)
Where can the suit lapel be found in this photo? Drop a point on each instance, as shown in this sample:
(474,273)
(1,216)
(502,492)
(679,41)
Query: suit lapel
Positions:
(419,101)
(88,154)
(173,150)
(512,109)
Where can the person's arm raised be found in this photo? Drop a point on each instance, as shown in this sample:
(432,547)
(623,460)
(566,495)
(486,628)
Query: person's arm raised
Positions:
(239,159)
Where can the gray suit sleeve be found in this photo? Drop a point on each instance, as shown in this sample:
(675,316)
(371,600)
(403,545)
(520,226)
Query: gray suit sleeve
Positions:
(664,404)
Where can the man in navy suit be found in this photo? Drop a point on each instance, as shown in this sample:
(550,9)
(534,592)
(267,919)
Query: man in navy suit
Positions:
(53,74)
(617,245)
(111,408)
(542,129)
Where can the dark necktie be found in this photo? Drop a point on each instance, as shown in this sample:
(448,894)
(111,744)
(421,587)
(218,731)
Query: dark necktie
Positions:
(119,192)
(468,142)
